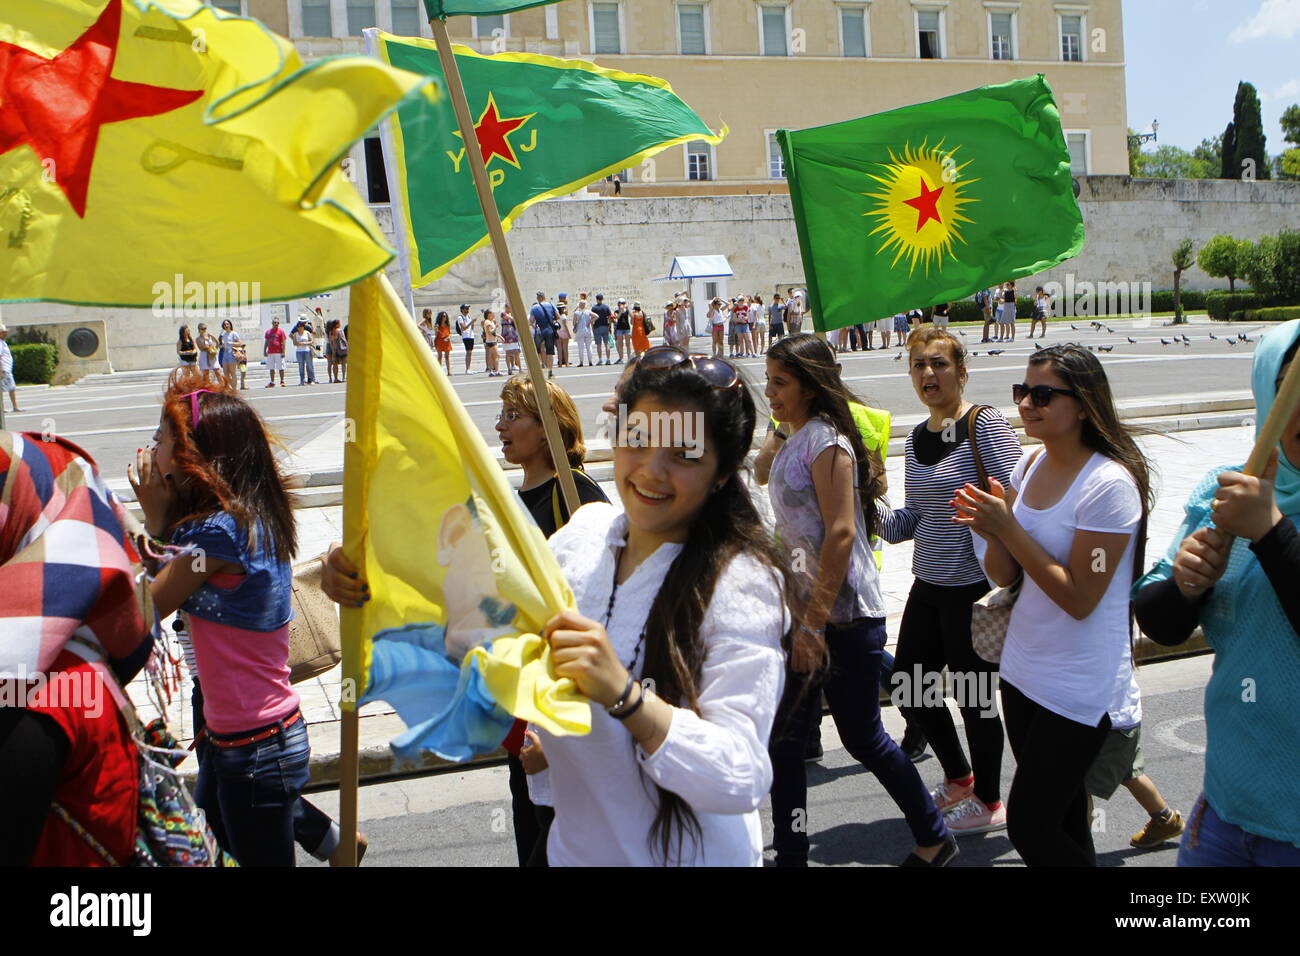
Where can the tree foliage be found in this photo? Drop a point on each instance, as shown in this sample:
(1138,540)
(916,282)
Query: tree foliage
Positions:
(1249,142)
(1223,258)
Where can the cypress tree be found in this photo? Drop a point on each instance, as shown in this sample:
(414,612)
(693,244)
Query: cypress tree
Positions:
(1249,132)
(1228,152)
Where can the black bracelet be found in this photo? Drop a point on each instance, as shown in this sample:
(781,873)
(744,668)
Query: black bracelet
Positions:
(622,698)
(631,710)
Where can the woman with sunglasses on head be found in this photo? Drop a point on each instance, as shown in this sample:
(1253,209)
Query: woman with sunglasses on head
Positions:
(935,630)
(823,487)
(1232,568)
(212,488)
(684,593)
(1071,520)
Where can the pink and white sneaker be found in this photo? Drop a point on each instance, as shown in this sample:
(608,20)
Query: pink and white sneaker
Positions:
(972,816)
(949,794)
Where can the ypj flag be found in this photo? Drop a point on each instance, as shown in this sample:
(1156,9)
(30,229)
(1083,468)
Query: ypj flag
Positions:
(138,141)
(545,127)
(932,202)
(461,579)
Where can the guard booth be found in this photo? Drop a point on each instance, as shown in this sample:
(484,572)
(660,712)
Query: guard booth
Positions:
(702,278)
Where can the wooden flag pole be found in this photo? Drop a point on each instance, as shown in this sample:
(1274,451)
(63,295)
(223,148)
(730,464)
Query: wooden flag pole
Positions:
(1288,397)
(554,439)
(349,742)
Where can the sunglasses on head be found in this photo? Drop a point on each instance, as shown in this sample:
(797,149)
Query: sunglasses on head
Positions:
(717,372)
(1040,395)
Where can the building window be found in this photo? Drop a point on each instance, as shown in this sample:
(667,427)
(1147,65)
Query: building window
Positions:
(1072,37)
(1001,34)
(775,158)
(699,160)
(487,26)
(690,29)
(929,34)
(316,20)
(229,6)
(853,31)
(406,17)
(605,32)
(773,31)
(376,180)
(1078,145)
(361,14)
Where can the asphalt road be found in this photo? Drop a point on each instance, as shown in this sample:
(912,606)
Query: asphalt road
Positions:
(111,418)
(463,818)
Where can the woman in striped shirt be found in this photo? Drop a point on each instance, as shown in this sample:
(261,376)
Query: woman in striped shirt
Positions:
(935,631)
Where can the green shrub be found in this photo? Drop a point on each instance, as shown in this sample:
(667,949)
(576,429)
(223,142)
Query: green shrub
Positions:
(965,311)
(1272,265)
(1222,305)
(34,364)
(1163,301)
(1281,313)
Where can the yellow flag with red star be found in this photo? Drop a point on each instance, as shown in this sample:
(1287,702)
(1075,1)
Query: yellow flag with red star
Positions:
(142,140)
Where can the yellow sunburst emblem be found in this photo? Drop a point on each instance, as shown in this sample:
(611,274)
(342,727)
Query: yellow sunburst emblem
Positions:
(919,208)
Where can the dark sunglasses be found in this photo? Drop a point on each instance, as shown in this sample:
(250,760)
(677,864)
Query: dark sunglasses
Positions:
(1041,395)
(717,372)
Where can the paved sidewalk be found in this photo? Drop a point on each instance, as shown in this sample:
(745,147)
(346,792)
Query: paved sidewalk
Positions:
(1181,460)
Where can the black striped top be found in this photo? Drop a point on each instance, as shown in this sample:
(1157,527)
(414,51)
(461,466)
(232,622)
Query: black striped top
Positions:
(942,552)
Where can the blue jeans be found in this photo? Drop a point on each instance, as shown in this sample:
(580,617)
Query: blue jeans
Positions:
(313,828)
(1211,841)
(250,795)
(306,367)
(850,684)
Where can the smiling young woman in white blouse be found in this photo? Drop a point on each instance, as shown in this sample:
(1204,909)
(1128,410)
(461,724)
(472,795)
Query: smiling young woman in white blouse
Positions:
(683,589)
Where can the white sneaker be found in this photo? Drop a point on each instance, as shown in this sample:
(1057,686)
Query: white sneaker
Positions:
(972,816)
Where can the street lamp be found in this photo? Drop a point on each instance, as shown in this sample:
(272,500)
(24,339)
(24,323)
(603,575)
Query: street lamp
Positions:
(1137,139)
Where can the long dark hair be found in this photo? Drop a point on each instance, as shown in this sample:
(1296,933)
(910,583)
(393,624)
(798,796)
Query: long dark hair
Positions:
(812,363)
(726,526)
(225,463)
(185,338)
(1103,431)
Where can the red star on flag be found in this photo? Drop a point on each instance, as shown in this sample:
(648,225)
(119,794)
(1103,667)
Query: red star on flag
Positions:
(926,205)
(492,131)
(58,106)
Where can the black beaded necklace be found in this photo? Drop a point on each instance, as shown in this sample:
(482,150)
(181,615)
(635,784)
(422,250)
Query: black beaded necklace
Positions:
(609,613)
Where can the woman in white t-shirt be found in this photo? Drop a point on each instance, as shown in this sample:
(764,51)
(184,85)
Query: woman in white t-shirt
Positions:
(717,324)
(1071,521)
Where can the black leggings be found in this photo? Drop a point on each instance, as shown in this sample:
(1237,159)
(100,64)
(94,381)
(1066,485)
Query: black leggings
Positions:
(935,633)
(1047,809)
(32,751)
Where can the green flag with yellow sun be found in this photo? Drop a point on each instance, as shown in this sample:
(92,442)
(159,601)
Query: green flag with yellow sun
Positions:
(932,202)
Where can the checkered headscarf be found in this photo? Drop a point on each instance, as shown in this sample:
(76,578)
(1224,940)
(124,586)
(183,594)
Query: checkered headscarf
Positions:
(69,573)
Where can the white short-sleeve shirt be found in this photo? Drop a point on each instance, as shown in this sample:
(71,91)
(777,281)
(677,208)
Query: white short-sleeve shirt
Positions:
(1078,669)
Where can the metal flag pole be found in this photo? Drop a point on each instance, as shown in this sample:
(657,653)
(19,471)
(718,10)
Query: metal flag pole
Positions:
(492,218)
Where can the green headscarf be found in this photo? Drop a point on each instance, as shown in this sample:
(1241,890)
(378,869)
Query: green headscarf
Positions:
(1268,362)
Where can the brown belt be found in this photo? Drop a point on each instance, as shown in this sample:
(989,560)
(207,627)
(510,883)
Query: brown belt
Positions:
(252,738)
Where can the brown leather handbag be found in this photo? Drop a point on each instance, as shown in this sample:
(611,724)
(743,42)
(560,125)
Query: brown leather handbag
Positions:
(315,645)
